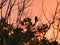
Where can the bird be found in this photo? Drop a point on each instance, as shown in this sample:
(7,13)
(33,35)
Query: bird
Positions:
(36,19)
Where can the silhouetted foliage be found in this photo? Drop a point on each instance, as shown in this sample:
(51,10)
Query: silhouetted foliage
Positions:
(54,43)
(36,19)
(10,35)
(44,42)
(19,37)
(35,42)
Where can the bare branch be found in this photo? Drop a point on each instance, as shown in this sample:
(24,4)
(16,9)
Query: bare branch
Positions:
(3,3)
(22,8)
(10,6)
(44,12)
(55,13)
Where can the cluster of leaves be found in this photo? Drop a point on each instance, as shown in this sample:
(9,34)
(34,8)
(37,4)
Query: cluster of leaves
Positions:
(20,38)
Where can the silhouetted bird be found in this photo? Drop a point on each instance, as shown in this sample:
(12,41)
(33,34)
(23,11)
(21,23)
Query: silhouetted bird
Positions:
(36,19)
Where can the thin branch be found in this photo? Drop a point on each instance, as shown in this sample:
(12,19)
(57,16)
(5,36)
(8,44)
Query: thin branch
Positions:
(55,13)
(10,9)
(4,3)
(44,12)
(7,9)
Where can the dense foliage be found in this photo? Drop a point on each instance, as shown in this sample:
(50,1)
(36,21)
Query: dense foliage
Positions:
(15,36)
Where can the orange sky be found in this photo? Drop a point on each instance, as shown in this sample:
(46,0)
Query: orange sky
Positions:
(35,9)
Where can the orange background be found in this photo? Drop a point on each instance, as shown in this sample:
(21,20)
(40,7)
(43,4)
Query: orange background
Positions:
(36,10)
